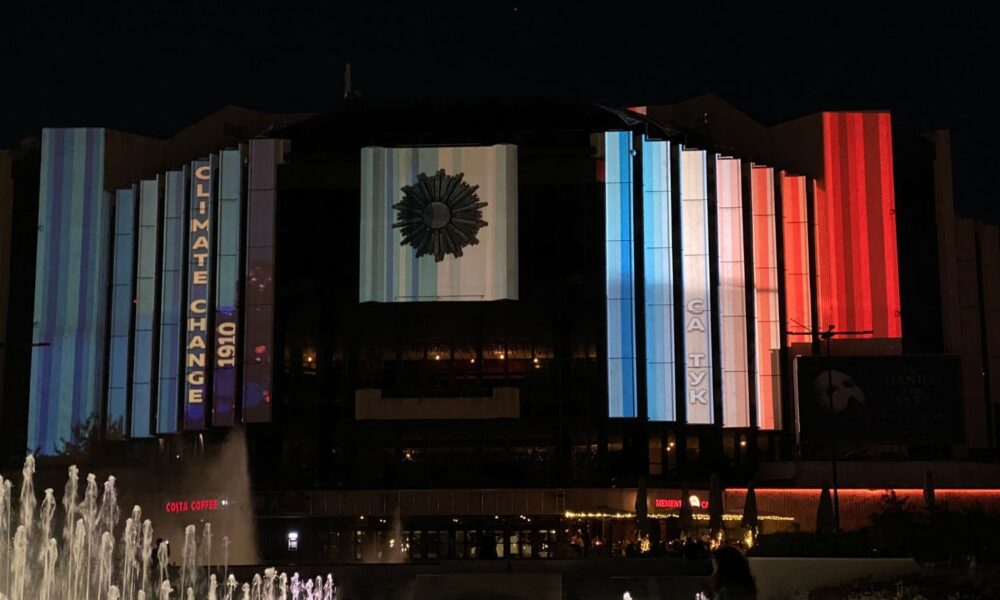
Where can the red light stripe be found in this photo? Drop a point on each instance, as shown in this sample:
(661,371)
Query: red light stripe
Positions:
(859,222)
(857,262)
(873,189)
(767,330)
(889,214)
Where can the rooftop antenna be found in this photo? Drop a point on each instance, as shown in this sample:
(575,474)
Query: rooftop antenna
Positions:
(347,81)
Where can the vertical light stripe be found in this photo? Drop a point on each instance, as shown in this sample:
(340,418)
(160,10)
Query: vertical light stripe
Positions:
(258,351)
(198,355)
(767,332)
(619,273)
(732,293)
(798,306)
(143,367)
(122,294)
(658,281)
(229,224)
(171,301)
(697,301)
(70,304)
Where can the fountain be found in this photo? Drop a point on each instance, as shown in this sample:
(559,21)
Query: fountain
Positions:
(92,566)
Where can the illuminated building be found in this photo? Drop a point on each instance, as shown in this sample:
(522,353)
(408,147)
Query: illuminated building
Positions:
(491,315)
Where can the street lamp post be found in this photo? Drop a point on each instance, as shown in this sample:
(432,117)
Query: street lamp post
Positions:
(826,336)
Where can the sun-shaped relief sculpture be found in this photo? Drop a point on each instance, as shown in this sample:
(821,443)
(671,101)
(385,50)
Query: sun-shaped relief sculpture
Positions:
(439,215)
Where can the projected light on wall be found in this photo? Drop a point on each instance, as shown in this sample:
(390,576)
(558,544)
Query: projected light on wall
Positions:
(857,263)
(258,338)
(230,221)
(71,284)
(438,224)
(697,317)
(767,316)
(798,289)
(619,273)
(143,370)
(171,301)
(200,245)
(732,293)
(119,354)
(658,280)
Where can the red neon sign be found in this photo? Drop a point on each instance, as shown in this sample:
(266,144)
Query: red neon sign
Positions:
(183,506)
(676,503)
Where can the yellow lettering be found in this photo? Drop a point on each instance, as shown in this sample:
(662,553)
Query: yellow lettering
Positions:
(200,278)
(197,324)
(199,306)
(197,342)
(195,359)
(199,225)
(196,378)
(201,243)
(204,173)
(195,396)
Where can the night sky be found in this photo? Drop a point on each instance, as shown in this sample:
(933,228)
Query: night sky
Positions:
(156,70)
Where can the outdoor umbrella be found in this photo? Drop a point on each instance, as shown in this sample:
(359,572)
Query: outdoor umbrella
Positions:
(641,503)
(824,512)
(928,490)
(750,520)
(715,505)
(686,520)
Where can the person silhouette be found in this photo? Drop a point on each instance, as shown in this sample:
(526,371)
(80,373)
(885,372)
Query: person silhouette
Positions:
(731,577)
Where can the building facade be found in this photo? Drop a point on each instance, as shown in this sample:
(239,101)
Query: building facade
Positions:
(464,315)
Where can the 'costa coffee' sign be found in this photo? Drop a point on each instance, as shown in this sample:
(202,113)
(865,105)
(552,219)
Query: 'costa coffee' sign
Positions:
(183,506)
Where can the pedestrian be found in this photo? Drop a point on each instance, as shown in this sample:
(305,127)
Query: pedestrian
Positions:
(731,577)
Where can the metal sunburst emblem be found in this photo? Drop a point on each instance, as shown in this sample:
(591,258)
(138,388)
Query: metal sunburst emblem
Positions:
(439,215)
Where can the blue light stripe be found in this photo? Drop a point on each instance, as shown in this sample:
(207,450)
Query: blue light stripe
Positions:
(145,304)
(121,314)
(171,302)
(619,274)
(658,280)
(70,287)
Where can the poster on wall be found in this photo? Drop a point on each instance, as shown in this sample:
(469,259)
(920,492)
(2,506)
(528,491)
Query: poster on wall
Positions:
(438,224)
(899,399)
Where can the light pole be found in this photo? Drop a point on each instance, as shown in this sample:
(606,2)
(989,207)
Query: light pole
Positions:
(827,335)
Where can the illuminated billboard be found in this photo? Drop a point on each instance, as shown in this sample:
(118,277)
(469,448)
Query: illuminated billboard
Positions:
(658,280)
(619,276)
(767,315)
(903,399)
(732,293)
(697,319)
(200,244)
(438,224)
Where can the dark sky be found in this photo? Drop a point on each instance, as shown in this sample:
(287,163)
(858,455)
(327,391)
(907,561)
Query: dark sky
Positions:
(153,69)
